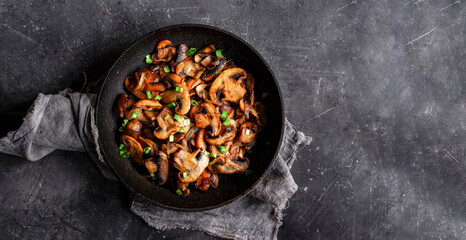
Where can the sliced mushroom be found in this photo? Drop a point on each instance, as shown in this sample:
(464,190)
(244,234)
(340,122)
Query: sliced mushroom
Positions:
(202,92)
(229,85)
(206,180)
(249,85)
(181,53)
(227,133)
(248,109)
(211,73)
(133,147)
(146,143)
(156,87)
(207,117)
(181,99)
(149,105)
(221,165)
(136,84)
(151,166)
(124,102)
(200,139)
(192,163)
(162,163)
(183,187)
(248,132)
(167,126)
(204,53)
(136,113)
(164,52)
(192,83)
(133,128)
(189,68)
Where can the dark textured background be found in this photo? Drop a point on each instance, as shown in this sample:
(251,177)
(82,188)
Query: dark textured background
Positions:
(380,85)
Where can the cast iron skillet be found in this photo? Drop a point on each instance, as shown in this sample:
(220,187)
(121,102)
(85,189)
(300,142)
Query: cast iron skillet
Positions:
(231,187)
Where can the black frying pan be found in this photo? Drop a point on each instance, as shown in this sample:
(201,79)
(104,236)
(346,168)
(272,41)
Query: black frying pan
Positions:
(231,187)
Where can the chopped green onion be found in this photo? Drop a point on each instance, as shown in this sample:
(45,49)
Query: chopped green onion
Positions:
(248,172)
(249,151)
(148,59)
(222,149)
(227,121)
(120,129)
(181,130)
(122,152)
(171,138)
(248,131)
(194,103)
(187,121)
(126,155)
(179,89)
(122,146)
(147,150)
(166,117)
(219,53)
(166,69)
(179,192)
(158,98)
(207,153)
(168,156)
(125,121)
(172,104)
(152,175)
(214,155)
(177,118)
(218,72)
(185,175)
(149,95)
(191,51)
(134,115)
(224,114)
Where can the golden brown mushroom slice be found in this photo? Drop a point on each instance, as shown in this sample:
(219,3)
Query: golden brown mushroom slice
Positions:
(248,132)
(228,86)
(190,165)
(189,68)
(123,104)
(222,165)
(164,52)
(211,73)
(149,147)
(133,147)
(227,134)
(179,96)
(162,163)
(133,128)
(206,180)
(136,84)
(167,125)
(206,117)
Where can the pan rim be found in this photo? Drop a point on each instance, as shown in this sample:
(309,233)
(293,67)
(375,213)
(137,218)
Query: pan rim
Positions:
(275,155)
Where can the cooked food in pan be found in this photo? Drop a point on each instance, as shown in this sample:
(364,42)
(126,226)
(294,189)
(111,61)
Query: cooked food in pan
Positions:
(189,116)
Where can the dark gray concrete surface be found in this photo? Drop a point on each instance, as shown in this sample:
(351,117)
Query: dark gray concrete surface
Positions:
(379,85)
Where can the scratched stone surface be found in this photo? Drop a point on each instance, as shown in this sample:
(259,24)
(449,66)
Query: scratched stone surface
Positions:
(379,85)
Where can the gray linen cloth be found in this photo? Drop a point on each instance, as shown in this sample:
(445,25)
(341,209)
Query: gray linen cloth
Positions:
(66,121)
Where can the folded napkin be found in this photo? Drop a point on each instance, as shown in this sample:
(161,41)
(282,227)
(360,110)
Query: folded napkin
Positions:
(66,121)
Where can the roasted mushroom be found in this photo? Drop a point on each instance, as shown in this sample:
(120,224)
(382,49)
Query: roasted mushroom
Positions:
(228,86)
(227,133)
(190,165)
(207,117)
(165,51)
(221,165)
(248,132)
(189,68)
(167,125)
(133,147)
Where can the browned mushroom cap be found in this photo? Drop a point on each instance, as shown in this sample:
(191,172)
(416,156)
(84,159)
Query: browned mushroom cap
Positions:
(167,126)
(192,163)
(181,53)
(192,83)
(181,99)
(133,147)
(151,166)
(156,87)
(136,84)
(206,180)
(124,102)
(207,116)
(200,139)
(221,165)
(164,52)
(204,53)
(136,113)
(215,71)
(189,68)
(202,92)
(248,132)
(149,105)
(227,133)
(146,143)
(162,163)
(229,84)
(183,187)
(248,109)
(133,128)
